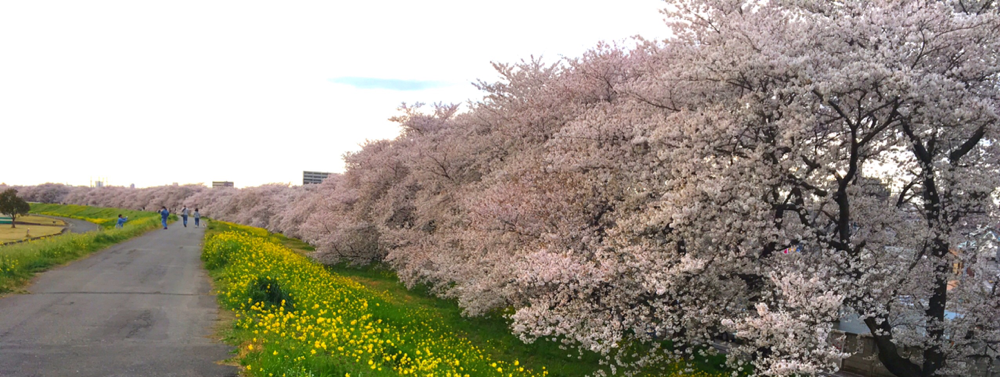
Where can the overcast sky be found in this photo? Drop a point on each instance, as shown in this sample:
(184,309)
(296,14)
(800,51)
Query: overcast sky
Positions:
(254,92)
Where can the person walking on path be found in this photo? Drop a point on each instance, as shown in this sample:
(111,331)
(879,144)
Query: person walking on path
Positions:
(164,213)
(184,215)
(197,216)
(121,221)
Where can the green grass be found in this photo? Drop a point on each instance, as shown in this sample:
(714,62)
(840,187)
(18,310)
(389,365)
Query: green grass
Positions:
(103,216)
(491,331)
(400,307)
(19,262)
(294,244)
(494,330)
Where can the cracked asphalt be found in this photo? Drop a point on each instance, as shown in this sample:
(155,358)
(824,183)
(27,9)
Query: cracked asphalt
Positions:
(140,308)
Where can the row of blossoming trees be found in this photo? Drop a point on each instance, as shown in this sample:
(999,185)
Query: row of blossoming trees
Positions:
(644,193)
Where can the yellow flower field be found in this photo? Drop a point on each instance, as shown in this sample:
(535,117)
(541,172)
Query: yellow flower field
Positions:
(298,319)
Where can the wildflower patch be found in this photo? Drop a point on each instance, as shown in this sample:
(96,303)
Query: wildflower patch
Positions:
(295,318)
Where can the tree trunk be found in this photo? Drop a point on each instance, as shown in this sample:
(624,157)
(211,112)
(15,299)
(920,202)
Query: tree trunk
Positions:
(888,354)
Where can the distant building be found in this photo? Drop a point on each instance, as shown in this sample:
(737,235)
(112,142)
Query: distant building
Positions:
(313,177)
(217,184)
(131,186)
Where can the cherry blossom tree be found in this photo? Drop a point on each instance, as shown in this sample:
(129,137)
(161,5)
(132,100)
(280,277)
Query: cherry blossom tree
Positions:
(821,96)
(761,127)
(45,193)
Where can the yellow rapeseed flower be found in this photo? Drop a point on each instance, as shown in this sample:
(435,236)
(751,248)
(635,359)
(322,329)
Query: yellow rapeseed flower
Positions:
(334,313)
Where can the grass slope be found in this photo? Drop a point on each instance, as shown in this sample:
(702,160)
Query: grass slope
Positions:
(364,322)
(19,262)
(103,216)
(494,330)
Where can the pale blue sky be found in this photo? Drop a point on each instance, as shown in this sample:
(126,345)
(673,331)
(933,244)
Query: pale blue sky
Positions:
(152,92)
(390,84)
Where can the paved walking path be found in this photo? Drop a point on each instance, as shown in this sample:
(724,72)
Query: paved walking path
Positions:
(139,308)
(75,225)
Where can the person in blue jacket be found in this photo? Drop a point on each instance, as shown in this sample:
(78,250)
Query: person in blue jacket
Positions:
(164,213)
(121,221)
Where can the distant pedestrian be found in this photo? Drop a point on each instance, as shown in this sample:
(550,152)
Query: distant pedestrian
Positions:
(121,221)
(197,216)
(184,215)
(164,213)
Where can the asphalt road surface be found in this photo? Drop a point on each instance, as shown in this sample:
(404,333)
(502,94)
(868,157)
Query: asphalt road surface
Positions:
(74,225)
(139,308)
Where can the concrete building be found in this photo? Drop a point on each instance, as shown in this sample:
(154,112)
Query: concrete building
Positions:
(217,184)
(313,177)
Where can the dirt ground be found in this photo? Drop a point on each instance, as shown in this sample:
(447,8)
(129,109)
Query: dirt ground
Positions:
(30,226)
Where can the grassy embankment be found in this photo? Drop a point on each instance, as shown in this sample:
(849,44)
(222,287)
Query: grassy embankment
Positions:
(18,262)
(105,217)
(294,317)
